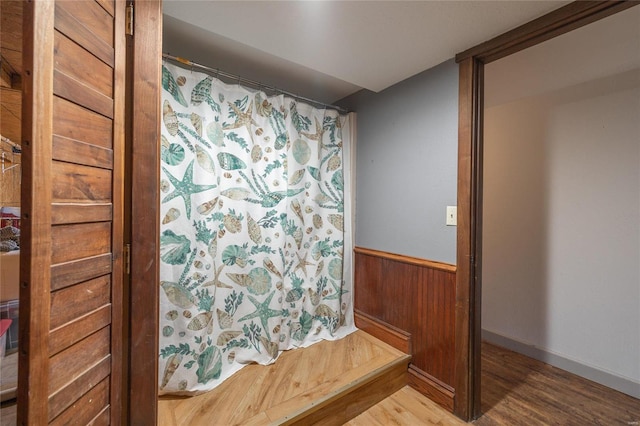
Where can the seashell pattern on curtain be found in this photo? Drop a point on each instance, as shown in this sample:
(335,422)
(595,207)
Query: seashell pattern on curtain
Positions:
(253,229)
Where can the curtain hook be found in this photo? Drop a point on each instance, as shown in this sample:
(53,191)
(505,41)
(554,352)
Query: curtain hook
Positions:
(217,73)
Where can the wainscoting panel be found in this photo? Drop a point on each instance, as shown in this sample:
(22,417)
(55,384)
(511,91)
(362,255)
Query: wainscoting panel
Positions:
(417,297)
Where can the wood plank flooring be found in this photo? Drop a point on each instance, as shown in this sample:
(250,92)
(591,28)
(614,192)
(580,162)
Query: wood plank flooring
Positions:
(406,407)
(516,390)
(299,387)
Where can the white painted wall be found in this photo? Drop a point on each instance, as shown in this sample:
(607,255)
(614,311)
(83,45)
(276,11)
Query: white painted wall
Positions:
(561,266)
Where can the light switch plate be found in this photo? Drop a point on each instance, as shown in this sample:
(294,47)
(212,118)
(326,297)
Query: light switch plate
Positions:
(452,215)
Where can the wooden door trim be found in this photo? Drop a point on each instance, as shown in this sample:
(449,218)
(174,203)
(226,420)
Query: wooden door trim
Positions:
(470,128)
(145,58)
(555,23)
(35,263)
(118,370)
(467,317)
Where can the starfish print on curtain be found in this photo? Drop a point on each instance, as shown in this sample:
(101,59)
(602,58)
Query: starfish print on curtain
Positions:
(253,250)
(184,188)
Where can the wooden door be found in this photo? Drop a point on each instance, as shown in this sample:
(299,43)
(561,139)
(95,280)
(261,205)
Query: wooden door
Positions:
(71,327)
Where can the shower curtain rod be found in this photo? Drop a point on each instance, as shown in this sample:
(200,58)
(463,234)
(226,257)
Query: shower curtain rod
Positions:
(247,81)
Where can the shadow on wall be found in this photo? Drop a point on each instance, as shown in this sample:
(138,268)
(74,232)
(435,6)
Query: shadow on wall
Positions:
(560,265)
(515,225)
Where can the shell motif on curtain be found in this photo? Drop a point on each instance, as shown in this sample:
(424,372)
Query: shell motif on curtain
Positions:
(252,243)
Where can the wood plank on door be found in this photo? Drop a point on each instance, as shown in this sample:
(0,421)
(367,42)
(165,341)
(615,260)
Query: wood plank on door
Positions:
(72,206)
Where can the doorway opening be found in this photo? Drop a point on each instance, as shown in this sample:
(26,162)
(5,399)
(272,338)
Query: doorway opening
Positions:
(560,147)
(470,192)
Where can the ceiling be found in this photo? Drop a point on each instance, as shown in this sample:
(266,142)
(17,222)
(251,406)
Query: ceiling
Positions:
(326,50)
(602,55)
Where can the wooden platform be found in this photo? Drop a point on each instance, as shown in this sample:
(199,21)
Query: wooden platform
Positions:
(329,382)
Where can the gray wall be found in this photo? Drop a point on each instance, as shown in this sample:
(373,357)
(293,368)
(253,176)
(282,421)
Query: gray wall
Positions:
(406,173)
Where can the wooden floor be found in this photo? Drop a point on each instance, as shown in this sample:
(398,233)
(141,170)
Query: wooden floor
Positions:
(301,382)
(406,407)
(516,390)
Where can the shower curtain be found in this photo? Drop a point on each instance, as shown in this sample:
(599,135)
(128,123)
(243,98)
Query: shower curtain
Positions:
(255,242)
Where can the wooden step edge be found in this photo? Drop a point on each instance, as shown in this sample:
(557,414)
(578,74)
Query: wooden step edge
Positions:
(358,400)
(396,368)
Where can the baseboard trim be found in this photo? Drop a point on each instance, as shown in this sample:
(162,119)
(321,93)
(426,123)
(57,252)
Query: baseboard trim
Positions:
(431,387)
(605,378)
(381,330)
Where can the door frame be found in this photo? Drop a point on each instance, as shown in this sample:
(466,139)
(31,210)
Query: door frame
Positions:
(470,168)
(144,49)
(144,129)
